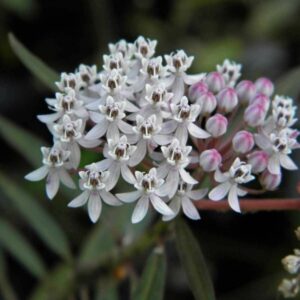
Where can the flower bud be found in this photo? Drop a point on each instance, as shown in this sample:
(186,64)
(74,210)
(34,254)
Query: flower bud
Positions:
(197,89)
(216,125)
(207,102)
(215,82)
(227,100)
(291,263)
(210,160)
(255,115)
(258,160)
(243,142)
(245,90)
(270,181)
(262,100)
(264,86)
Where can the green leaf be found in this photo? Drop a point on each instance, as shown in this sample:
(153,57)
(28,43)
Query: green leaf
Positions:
(289,83)
(58,285)
(151,285)
(21,140)
(34,64)
(23,8)
(37,217)
(106,290)
(13,242)
(193,262)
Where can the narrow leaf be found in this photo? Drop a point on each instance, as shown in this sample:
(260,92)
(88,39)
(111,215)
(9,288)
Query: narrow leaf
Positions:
(34,64)
(21,140)
(13,242)
(106,289)
(151,285)
(193,262)
(37,217)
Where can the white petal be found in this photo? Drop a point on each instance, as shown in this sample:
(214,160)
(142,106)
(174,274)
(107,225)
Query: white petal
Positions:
(197,131)
(220,191)
(109,198)
(139,154)
(162,139)
(274,164)
(131,107)
(50,118)
(94,206)
(125,127)
(175,205)
(220,177)
(96,117)
(287,163)
(182,134)
(177,89)
(75,155)
(233,198)
(186,177)
(129,197)
(189,209)
(114,174)
(140,209)
(262,141)
(160,206)
(163,170)
(66,178)
(97,131)
(168,127)
(197,194)
(52,184)
(241,192)
(80,200)
(89,143)
(171,185)
(104,164)
(127,174)
(191,79)
(113,131)
(37,174)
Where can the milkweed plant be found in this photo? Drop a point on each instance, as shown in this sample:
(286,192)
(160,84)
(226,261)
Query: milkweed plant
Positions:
(175,138)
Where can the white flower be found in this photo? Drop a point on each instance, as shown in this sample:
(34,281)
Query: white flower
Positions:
(185,115)
(173,168)
(144,48)
(56,161)
(70,80)
(115,61)
(126,49)
(278,145)
(93,185)
(231,72)
(148,190)
(183,198)
(289,287)
(292,262)
(239,173)
(88,74)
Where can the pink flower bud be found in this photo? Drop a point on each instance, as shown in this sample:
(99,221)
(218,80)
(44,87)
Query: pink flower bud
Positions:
(227,100)
(255,115)
(264,86)
(243,142)
(261,99)
(215,82)
(197,89)
(270,181)
(208,103)
(210,160)
(245,90)
(216,125)
(258,160)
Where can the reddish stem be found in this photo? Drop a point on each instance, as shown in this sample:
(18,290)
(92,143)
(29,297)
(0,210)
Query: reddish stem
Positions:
(251,205)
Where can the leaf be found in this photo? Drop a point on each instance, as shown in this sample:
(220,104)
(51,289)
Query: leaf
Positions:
(21,140)
(37,217)
(106,290)
(151,285)
(13,242)
(193,262)
(58,285)
(289,83)
(23,8)
(34,64)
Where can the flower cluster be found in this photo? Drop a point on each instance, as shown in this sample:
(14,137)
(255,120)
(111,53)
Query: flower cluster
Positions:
(290,288)
(163,131)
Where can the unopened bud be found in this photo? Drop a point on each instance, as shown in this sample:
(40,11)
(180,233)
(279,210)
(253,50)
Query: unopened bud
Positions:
(245,90)
(270,181)
(215,82)
(210,160)
(243,142)
(291,263)
(255,115)
(262,100)
(258,160)
(197,89)
(264,86)
(208,103)
(216,125)
(227,100)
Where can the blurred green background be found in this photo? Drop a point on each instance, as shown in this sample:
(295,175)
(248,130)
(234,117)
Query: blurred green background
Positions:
(43,244)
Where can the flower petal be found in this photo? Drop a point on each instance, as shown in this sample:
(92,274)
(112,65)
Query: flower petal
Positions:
(262,141)
(160,206)
(96,117)
(274,164)
(189,209)
(287,163)
(66,178)
(181,134)
(104,164)
(197,194)
(127,174)
(168,127)
(233,199)
(52,184)
(175,205)
(109,198)
(97,131)
(220,177)
(94,206)
(125,127)
(129,197)
(139,154)
(162,139)
(112,131)
(50,118)
(140,209)
(220,191)
(114,174)
(37,174)
(197,131)
(80,200)
(186,177)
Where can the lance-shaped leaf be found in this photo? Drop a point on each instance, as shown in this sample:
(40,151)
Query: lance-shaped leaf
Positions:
(16,244)
(152,283)
(21,140)
(193,262)
(37,217)
(34,64)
